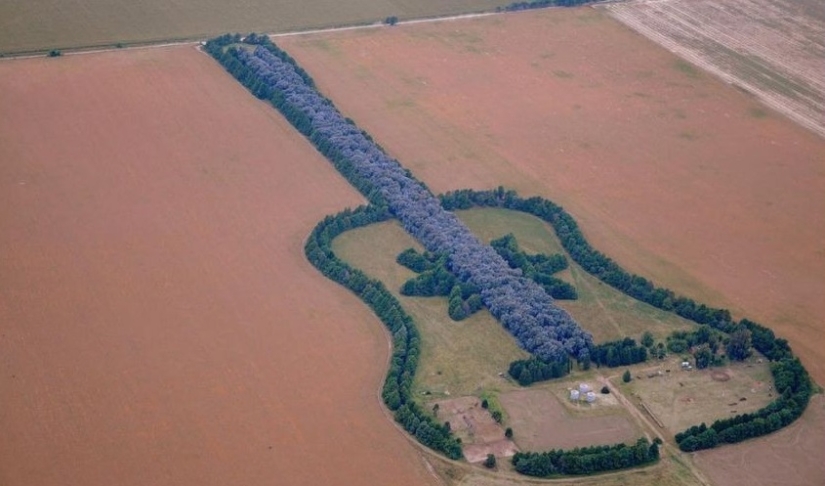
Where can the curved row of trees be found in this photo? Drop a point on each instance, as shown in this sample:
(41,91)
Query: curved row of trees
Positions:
(791,380)
(397,390)
(521,305)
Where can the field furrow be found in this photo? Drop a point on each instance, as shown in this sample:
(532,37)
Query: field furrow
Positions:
(766,47)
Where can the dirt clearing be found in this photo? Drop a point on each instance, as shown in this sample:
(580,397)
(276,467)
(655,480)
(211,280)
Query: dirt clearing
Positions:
(160,324)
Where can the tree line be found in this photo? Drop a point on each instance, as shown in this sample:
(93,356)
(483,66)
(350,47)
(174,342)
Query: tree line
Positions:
(791,379)
(406,347)
(522,306)
(586,460)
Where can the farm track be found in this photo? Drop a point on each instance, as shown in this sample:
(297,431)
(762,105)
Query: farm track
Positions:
(766,47)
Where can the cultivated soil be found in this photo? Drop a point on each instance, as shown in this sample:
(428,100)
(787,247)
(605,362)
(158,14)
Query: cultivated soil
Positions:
(61,24)
(672,172)
(774,49)
(160,323)
(790,457)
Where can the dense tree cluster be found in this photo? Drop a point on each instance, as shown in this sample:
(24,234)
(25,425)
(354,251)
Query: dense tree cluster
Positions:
(790,377)
(539,268)
(586,460)
(521,305)
(618,353)
(529,371)
(397,388)
(434,279)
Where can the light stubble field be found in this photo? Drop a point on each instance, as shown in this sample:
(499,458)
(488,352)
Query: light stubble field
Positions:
(679,176)
(160,323)
(61,24)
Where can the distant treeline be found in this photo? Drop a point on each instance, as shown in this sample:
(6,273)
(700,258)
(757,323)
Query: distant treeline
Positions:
(542,4)
(406,347)
(790,377)
(586,460)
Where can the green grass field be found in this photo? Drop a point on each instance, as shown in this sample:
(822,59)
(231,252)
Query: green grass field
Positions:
(467,357)
(51,24)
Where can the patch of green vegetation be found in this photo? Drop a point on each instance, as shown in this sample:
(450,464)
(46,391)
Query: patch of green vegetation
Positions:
(457,358)
(758,112)
(686,68)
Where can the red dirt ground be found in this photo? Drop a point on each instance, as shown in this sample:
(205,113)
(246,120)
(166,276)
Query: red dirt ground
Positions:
(791,457)
(678,176)
(160,324)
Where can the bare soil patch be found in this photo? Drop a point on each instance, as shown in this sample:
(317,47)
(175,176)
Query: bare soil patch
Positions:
(790,457)
(541,423)
(160,323)
(479,433)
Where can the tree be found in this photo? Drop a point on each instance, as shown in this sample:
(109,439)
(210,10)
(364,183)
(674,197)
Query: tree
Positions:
(626,376)
(490,462)
(485,404)
(392,20)
(647,339)
(508,433)
(739,345)
(605,390)
(55,53)
(497,415)
(703,356)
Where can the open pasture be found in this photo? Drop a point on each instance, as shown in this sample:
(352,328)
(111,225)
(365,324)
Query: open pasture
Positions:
(683,398)
(774,49)
(160,322)
(667,169)
(61,24)
(541,423)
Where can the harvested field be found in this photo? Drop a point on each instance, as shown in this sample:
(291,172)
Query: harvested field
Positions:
(541,423)
(683,398)
(50,24)
(667,169)
(774,49)
(160,322)
(790,457)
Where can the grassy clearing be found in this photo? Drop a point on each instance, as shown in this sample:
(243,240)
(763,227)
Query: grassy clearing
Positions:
(63,24)
(600,309)
(681,398)
(457,358)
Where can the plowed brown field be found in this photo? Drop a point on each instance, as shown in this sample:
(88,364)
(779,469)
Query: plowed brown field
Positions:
(677,175)
(159,323)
